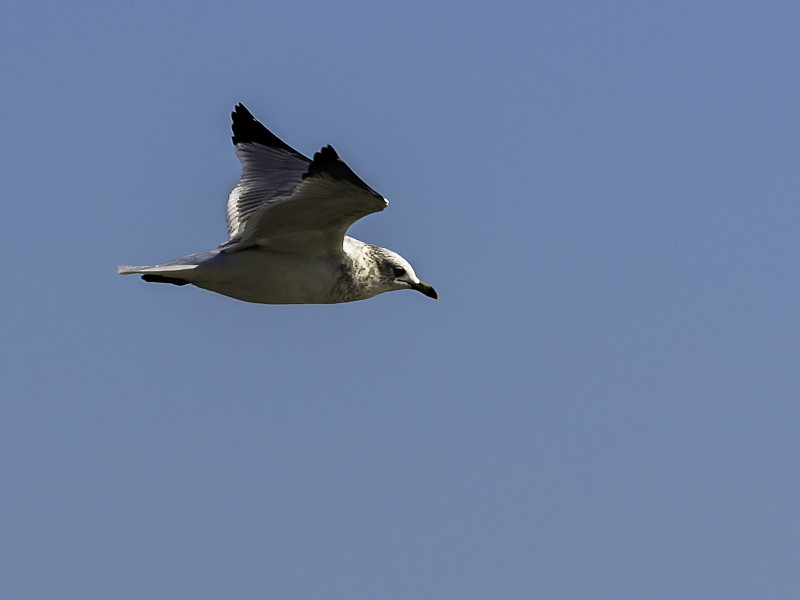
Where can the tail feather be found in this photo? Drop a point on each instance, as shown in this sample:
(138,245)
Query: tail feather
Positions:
(129,269)
(158,273)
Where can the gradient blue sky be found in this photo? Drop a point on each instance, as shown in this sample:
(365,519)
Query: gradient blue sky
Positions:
(603,404)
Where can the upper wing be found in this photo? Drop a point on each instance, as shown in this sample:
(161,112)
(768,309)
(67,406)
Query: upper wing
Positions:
(286,202)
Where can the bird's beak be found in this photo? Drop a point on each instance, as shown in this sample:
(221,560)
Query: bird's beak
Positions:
(425,289)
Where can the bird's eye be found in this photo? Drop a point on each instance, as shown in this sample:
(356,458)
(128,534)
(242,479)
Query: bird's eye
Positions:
(399,271)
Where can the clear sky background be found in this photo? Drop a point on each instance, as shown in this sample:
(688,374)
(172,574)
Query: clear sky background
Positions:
(603,404)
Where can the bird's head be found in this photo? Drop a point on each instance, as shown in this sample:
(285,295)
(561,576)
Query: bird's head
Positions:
(396,273)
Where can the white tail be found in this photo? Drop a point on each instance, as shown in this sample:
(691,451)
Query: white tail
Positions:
(130,270)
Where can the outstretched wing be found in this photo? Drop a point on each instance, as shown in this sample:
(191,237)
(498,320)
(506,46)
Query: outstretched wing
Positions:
(271,170)
(286,202)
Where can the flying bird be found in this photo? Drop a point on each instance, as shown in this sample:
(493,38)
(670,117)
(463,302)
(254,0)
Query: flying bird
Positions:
(287,222)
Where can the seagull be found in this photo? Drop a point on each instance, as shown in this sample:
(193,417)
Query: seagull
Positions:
(287,220)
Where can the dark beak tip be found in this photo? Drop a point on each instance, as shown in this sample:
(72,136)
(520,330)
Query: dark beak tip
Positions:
(429,291)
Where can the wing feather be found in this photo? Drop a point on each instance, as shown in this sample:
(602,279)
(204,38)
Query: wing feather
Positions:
(286,202)
(270,169)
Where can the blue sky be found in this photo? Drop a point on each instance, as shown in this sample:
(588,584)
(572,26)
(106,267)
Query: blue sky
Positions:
(604,402)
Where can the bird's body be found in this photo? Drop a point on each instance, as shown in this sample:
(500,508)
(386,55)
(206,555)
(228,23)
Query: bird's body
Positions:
(287,219)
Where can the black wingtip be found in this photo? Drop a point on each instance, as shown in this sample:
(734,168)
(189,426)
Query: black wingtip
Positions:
(247,129)
(162,279)
(327,162)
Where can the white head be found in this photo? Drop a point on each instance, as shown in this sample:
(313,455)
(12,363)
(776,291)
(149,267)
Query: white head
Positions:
(376,270)
(396,273)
